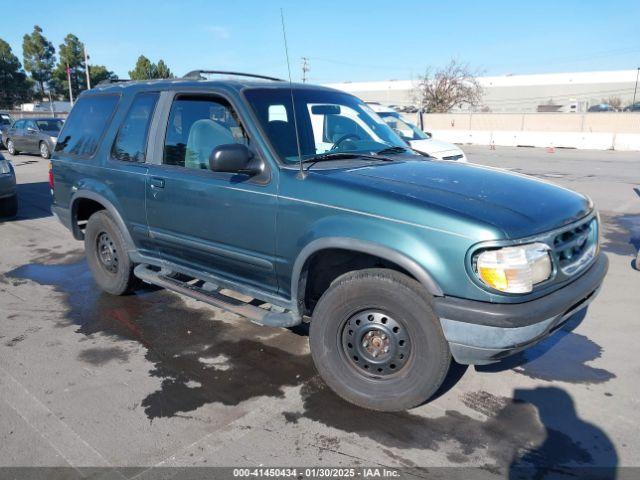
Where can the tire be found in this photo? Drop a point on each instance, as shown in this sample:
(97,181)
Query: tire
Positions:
(11,147)
(44,150)
(379,301)
(9,207)
(112,270)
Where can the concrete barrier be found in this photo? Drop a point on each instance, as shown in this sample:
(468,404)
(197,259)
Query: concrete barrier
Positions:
(593,131)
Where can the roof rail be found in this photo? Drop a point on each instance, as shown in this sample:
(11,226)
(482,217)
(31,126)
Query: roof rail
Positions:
(107,81)
(198,75)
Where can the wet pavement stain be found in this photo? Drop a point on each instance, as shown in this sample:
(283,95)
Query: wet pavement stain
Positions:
(179,340)
(621,234)
(101,356)
(563,356)
(514,433)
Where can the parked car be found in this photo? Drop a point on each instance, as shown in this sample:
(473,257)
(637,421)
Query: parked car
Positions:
(5,123)
(8,195)
(421,141)
(398,262)
(33,135)
(602,107)
(634,107)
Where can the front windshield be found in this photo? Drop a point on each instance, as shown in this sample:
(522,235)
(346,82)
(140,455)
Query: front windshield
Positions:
(404,129)
(328,122)
(49,125)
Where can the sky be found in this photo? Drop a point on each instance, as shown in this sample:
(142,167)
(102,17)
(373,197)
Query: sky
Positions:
(358,40)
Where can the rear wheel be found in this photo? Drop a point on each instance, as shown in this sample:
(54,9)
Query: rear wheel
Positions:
(107,256)
(44,150)
(11,147)
(9,206)
(376,341)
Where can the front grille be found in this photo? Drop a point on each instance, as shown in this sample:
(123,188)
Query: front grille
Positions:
(576,247)
(453,157)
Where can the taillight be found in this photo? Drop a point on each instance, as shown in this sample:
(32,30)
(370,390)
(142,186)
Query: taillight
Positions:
(51,177)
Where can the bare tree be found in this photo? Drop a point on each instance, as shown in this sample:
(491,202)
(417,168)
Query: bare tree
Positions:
(615,102)
(440,90)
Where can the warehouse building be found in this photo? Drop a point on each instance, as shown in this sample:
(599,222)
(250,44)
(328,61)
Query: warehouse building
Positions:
(551,92)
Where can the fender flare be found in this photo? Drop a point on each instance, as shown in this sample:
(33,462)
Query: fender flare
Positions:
(410,265)
(113,211)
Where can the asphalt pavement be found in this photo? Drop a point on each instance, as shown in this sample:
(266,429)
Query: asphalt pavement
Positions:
(159,380)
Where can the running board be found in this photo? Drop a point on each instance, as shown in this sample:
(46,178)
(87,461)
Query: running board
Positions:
(209,293)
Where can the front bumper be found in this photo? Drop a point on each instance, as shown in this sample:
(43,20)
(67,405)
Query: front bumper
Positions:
(480,333)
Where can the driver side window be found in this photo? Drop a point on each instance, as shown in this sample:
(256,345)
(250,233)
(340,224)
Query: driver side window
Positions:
(196,126)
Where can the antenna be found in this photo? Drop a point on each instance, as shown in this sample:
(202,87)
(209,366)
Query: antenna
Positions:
(293,106)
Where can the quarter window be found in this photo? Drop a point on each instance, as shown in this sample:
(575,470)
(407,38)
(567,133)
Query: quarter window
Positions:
(131,142)
(196,126)
(87,122)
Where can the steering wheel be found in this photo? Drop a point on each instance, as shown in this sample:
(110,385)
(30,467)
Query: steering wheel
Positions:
(343,138)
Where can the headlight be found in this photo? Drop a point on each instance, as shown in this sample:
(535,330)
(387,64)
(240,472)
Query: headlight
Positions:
(53,139)
(4,166)
(514,269)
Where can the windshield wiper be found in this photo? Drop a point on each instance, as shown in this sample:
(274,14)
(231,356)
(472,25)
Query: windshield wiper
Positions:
(325,157)
(392,149)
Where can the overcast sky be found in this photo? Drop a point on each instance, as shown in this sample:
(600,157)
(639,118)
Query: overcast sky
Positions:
(345,40)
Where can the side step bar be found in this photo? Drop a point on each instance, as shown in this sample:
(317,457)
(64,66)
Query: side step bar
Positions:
(209,293)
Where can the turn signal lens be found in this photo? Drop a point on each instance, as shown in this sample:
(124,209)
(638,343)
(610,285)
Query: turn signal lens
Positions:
(514,269)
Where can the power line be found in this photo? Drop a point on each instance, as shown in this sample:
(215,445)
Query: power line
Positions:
(305,68)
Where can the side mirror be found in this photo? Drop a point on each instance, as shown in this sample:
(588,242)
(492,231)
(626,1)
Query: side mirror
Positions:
(233,158)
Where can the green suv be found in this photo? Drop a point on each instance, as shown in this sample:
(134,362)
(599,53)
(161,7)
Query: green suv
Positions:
(301,199)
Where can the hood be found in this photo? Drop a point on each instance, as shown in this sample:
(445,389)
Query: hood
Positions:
(519,206)
(433,146)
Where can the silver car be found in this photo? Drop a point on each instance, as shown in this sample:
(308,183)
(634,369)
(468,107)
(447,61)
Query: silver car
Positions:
(33,135)
(8,195)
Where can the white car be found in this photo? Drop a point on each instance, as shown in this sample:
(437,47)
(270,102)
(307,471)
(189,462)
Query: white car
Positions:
(421,141)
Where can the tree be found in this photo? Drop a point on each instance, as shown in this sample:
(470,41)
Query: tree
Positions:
(71,53)
(15,87)
(39,57)
(615,102)
(98,73)
(443,89)
(162,70)
(146,70)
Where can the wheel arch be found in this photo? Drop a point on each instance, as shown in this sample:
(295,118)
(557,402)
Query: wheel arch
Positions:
(302,262)
(79,199)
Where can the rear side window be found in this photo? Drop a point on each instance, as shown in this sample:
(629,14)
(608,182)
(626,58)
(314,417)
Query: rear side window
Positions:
(87,122)
(131,142)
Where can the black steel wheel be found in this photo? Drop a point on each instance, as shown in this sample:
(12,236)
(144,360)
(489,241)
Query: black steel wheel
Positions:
(107,256)
(376,341)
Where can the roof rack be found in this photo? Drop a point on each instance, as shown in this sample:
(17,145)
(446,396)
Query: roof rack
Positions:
(107,81)
(198,75)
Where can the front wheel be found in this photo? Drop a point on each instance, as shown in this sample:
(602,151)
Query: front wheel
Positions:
(376,341)
(44,150)
(107,256)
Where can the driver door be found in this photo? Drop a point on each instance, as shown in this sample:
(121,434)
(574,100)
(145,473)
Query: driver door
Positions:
(213,222)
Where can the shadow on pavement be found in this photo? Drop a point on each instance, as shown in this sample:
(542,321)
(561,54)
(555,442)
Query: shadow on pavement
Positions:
(34,201)
(568,447)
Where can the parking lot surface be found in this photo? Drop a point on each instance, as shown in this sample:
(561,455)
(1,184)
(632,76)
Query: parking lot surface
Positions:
(156,379)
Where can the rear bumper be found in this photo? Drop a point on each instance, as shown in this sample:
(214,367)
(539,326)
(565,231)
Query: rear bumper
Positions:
(63,215)
(480,333)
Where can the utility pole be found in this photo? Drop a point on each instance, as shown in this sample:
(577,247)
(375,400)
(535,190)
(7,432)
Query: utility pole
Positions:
(305,68)
(86,67)
(69,81)
(635,89)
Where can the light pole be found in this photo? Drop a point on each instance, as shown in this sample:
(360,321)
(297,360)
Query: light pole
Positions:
(86,67)
(635,89)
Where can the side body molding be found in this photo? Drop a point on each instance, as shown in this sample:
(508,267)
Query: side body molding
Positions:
(113,211)
(381,251)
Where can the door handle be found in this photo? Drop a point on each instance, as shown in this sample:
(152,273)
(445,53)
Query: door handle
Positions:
(156,182)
